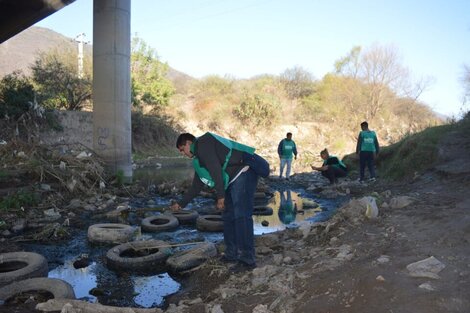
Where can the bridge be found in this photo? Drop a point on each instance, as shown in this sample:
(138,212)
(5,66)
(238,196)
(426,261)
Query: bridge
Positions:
(111,69)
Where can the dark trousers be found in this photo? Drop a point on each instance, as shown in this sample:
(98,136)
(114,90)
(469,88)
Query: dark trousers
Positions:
(366,158)
(332,173)
(238,220)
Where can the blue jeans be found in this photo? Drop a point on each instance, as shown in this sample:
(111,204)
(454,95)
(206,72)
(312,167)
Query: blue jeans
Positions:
(285,162)
(366,158)
(238,220)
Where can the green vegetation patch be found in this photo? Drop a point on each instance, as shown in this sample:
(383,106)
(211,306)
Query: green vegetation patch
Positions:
(18,200)
(413,154)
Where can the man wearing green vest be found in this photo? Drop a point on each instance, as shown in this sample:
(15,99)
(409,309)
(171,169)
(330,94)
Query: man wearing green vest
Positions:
(332,167)
(286,149)
(221,164)
(367,148)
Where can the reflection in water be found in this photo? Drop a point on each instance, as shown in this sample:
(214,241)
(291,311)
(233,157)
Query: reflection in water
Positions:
(143,291)
(82,279)
(288,211)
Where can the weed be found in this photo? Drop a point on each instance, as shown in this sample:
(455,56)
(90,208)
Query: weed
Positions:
(18,200)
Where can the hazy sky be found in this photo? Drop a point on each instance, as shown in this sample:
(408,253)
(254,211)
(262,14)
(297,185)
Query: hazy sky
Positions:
(243,38)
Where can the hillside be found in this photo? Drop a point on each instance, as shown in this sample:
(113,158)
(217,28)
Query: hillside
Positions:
(19,52)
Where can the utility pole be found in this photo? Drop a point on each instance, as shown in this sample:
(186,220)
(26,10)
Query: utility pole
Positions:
(81,40)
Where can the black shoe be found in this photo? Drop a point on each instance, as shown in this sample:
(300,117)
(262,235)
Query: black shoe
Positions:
(242,267)
(224,259)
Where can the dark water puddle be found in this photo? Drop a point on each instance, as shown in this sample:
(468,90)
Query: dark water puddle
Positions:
(97,283)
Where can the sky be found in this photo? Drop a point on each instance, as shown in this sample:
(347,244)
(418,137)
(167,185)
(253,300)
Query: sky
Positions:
(245,38)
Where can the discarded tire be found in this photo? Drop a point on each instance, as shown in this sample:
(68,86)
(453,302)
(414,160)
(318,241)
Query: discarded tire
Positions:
(186,216)
(139,255)
(55,288)
(210,223)
(15,266)
(111,233)
(262,210)
(158,223)
(191,258)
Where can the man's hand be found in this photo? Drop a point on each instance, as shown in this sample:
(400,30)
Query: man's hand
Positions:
(175,207)
(220,204)
(295,157)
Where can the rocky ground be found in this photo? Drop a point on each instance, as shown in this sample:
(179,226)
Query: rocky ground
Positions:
(414,256)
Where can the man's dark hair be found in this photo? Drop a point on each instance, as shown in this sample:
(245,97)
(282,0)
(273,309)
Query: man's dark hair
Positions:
(288,134)
(364,125)
(181,141)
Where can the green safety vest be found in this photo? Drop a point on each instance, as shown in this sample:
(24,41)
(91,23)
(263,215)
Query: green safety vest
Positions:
(368,140)
(287,149)
(204,174)
(341,164)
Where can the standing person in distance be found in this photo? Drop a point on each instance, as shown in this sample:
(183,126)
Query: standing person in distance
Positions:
(232,169)
(367,148)
(286,149)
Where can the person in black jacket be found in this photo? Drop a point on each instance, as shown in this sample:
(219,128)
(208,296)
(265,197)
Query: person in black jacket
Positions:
(221,164)
(332,167)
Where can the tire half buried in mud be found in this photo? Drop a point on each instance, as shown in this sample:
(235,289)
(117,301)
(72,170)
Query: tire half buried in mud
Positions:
(159,223)
(191,258)
(109,233)
(15,266)
(53,288)
(210,223)
(145,256)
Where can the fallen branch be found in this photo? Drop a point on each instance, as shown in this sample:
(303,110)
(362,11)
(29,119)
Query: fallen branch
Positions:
(75,306)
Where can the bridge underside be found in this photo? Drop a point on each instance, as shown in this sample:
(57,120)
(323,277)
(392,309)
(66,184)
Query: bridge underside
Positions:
(17,15)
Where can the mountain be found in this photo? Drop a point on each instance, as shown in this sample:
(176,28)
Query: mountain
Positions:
(20,52)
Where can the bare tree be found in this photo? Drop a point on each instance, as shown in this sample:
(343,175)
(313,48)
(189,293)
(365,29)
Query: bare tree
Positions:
(297,82)
(466,84)
(381,70)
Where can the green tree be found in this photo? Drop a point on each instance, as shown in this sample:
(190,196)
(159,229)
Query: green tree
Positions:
(149,83)
(258,109)
(58,85)
(16,95)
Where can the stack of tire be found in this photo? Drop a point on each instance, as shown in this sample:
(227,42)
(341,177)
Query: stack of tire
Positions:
(23,272)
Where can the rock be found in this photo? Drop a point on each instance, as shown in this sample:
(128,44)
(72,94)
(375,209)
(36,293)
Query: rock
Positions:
(344,253)
(427,286)
(51,214)
(400,202)
(261,308)
(263,250)
(380,278)
(383,259)
(83,155)
(19,225)
(217,308)
(428,268)
(74,204)
(82,262)
(265,223)
(45,187)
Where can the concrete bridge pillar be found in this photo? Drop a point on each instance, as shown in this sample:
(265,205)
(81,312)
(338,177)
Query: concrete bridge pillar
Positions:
(112,84)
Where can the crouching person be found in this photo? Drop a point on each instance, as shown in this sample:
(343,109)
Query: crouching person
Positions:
(332,167)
